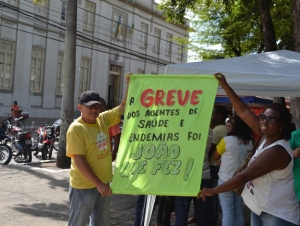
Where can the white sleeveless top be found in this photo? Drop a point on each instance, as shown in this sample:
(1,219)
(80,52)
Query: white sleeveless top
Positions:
(274,193)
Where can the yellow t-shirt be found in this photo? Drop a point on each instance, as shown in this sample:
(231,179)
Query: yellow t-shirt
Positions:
(221,147)
(92,141)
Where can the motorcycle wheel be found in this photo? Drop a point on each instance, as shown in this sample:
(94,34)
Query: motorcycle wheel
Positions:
(5,154)
(27,155)
(8,142)
(55,143)
(50,151)
(46,152)
(34,146)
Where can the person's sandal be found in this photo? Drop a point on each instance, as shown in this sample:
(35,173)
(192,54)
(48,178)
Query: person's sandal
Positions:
(191,220)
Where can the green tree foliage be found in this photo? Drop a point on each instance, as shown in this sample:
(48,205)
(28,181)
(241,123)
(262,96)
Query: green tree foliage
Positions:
(232,25)
(175,10)
(237,30)
(283,20)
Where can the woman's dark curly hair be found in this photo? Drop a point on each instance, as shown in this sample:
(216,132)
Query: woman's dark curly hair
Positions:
(241,130)
(285,118)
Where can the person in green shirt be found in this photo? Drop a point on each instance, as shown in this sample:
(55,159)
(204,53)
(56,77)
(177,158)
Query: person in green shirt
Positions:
(295,146)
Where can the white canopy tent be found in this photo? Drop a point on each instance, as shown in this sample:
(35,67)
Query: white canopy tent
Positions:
(275,74)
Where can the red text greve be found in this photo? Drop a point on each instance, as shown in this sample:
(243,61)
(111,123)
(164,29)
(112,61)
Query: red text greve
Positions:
(169,98)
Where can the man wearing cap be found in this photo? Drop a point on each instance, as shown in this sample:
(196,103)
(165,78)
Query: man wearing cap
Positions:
(91,160)
(15,110)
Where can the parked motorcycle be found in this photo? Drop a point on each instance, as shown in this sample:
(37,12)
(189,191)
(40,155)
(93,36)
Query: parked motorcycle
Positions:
(5,151)
(44,142)
(19,121)
(10,128)
(19,141)
(21,145)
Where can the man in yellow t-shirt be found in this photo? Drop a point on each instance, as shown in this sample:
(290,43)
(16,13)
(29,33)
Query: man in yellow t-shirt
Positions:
(91,162)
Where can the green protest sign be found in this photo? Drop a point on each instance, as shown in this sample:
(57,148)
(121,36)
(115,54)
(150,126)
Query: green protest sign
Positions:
(164,134)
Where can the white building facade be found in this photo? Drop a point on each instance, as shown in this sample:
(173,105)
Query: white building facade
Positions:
(113,37)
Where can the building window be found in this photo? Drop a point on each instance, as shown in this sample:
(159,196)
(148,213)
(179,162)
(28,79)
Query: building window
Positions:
(37,70)
(60,74)
(144,32)
(169,44)
(118,29)
(85,68)
(156,40)
(141,71)
(63,11)
(41,8)
(179,52)
(89,15)
(6,64)
(12,2)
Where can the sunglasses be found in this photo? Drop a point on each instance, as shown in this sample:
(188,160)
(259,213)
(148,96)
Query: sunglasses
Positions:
(94,106)
(270,118)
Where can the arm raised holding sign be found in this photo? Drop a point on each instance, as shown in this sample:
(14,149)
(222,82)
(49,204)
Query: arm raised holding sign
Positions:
(123,103)
(271,167)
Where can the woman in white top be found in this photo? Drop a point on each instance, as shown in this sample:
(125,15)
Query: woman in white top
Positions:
(232,150)
(269,191)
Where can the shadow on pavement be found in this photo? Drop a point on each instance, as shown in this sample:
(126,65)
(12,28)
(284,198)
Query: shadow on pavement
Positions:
(45,210)
(35,196)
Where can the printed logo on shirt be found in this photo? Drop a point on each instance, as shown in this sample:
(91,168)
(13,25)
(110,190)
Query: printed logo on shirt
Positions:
(101,141)
(251,187)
